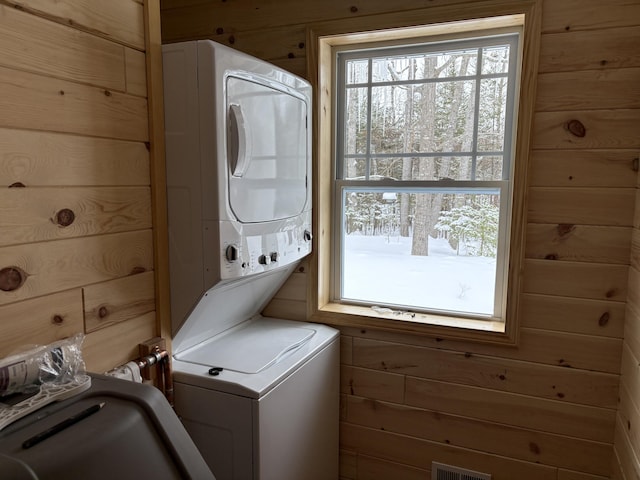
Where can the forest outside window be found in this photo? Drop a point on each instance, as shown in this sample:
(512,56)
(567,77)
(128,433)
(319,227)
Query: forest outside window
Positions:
(422,145)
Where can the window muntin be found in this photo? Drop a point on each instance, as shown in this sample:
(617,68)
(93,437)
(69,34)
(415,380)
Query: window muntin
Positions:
(401,169)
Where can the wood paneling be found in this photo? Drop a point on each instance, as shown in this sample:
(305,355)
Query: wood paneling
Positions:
(25,99)
(40,321)
(153,61)
(289,302)
(76,148)
(507,441)
(117,300)
(106,348)
(586,206)
(580,243)
(590,50)
(117,20)
(535,345)
(635,249)
(38,45)
(576,279)
(573,90)
(34,215)
(375,469)
(373,384)
(534,379)
(602,129)
(589,15)
(51,267)
(547,415)
(416,453)
(136,71)
(601,318)
(204,19)
(583,168)
(35,158)
(557,390)
(571,475)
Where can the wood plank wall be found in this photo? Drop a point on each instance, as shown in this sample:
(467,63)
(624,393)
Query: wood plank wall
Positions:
(76,240)
(549,408)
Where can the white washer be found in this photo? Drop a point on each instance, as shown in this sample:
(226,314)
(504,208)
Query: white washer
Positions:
(271,413)
(259,396)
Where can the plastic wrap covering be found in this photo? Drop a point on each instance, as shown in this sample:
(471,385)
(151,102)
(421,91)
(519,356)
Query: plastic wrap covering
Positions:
(38,376)
(57,363)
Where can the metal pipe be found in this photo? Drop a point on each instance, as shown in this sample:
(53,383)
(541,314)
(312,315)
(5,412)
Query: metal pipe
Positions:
(163,360)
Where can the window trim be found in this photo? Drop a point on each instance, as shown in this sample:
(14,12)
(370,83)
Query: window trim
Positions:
(321,40)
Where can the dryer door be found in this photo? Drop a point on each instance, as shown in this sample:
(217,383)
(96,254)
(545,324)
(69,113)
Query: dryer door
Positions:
(266,151)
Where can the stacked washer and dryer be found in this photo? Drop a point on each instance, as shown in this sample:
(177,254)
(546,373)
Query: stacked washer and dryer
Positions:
(259,396)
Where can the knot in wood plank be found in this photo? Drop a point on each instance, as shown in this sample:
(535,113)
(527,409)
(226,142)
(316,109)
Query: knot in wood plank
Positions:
(576,128)
(565,229)
(65,217)
(604,319)
(11,278)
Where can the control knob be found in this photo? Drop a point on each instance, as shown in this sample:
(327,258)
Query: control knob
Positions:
(274,256)
(232,253)
(264,259)
(307,236)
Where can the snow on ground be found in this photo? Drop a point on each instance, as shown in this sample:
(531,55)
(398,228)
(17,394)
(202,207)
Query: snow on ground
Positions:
(381,269)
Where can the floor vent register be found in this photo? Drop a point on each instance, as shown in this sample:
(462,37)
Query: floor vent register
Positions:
(440,471)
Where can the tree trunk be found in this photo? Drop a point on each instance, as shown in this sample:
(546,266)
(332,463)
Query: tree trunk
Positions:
(407,147)
(423,218)
(428,206)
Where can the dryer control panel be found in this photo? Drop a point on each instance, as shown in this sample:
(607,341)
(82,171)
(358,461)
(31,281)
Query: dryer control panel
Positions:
(244,253)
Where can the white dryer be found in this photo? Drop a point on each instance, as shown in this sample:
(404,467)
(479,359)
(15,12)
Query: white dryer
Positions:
(259,396)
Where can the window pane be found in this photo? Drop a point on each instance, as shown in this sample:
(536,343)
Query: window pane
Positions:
(493,109)
(425,66)
(489,168)
(392,116)
(432,117)
(495,59)
(355,168)
(357,71)
(355,134)
(394,68)
(441,168)
(453,116)
(386,168)
(424,251)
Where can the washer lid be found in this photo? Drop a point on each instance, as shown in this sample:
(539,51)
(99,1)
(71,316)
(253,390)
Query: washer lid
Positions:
(249,348)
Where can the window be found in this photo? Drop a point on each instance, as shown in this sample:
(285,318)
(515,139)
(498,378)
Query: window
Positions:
(423,134)
(423,184)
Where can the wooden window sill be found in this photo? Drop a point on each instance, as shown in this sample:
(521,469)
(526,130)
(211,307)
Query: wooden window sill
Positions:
(439,326)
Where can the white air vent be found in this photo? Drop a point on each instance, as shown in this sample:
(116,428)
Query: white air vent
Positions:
(440,471)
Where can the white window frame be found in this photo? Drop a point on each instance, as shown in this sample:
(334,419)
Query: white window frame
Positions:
(323,41)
